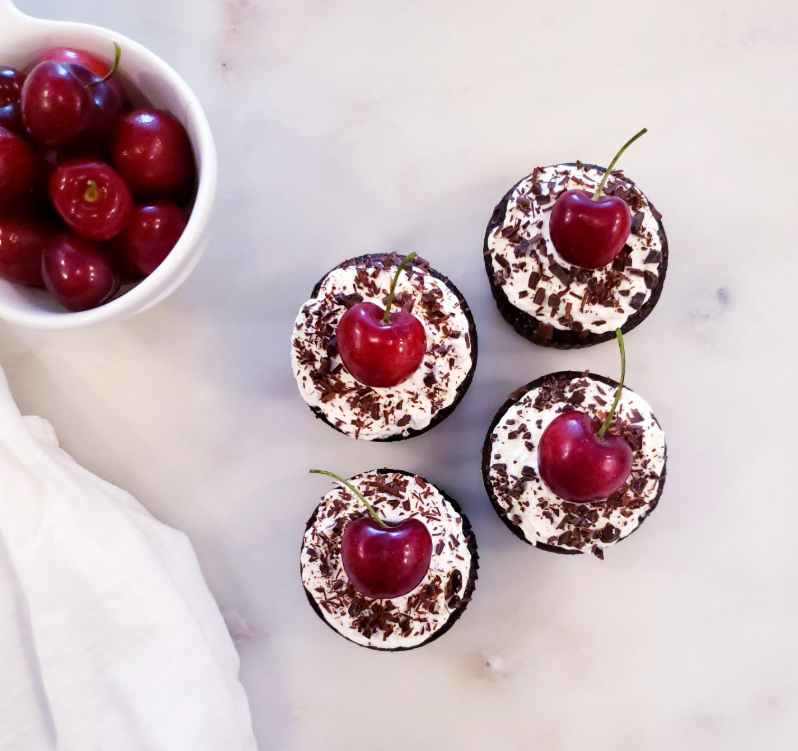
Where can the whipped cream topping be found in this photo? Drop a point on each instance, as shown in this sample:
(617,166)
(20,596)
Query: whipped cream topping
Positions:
(527,501)
(406,621)
(540,282)
(377,413)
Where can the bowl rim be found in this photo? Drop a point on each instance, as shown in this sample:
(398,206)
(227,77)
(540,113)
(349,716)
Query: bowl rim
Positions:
(156,285)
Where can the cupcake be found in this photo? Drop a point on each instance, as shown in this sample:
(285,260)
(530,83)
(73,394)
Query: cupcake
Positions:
(524,451)
(384,379)
(551,267)
(388,560)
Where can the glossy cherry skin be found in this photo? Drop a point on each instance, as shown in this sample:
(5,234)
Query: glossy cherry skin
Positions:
(19,170)
(589,233)
(383,563)
(377,354)
(77,274)
(108,101)
(95,213)
(152,232)
(11,82)
(23,241)
(56,104)
(79,57)
(578,465)
(152,152)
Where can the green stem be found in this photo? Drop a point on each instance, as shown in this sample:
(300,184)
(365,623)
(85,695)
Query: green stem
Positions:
(612,163)
(407,259)
(608,418)
(91,194)
(115,66)
(360,495)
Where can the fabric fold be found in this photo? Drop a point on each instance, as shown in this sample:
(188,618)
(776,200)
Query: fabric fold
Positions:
(109,636)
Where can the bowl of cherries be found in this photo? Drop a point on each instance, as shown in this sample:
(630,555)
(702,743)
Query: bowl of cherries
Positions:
(107,175)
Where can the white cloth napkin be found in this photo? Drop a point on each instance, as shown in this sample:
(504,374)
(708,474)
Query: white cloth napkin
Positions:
(109,637)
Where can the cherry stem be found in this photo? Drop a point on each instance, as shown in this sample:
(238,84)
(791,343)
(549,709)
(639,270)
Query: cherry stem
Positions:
(612,163)
(608,418)
(407,259)
(115,66)
(360,495)
(91,194)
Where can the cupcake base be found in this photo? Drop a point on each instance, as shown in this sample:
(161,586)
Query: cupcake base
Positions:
(467,591)
(513,399)
(543,333)
(442,414)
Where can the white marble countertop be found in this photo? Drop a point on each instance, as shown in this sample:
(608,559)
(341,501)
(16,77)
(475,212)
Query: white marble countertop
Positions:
(356,126)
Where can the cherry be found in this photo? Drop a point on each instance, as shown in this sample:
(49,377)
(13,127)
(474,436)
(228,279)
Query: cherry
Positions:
(109,101)
(590,231)
(77,274)
(152,232)
(578,465)
(79,57)
(56,104)
(22,242)
(577,461)
(11,82)
(380,348)
(383,561)
(152,152)
(19,170)
(91,198)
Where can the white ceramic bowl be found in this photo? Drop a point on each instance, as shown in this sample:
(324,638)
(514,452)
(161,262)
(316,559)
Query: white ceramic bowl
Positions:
(22,40)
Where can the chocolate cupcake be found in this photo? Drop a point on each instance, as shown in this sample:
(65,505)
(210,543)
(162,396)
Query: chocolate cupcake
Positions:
(428,610)
(421,401)
(529,508)
(547,299)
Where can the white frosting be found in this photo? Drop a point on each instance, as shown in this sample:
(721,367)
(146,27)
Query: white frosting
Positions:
(409,406)
(530,219)
(538,512)
(450,554)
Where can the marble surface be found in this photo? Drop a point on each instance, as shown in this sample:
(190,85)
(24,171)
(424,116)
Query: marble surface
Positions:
(354,126)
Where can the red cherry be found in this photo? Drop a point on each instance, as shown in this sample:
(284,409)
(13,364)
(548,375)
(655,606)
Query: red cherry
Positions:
(378,354)
(79,57)
(385,562)
(56,105)
(578,465)
(153,154)
(19,170)
(11,82)
(108,102)
(91,198)
(589,233)
(153,231)
(77,274)
(22,244)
